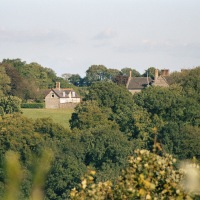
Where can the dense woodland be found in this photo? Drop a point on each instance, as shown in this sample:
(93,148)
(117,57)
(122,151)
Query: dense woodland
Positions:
(118,146)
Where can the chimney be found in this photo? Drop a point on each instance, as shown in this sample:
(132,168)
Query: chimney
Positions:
(58,85)
(156,74)
(130,74)
(165,72)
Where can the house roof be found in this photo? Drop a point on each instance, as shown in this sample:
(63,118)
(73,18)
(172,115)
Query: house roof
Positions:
(138,82)
(161,81)
(64,93)
(44,92)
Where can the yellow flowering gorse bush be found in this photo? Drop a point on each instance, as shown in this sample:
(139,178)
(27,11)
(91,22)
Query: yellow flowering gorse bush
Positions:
(148,176)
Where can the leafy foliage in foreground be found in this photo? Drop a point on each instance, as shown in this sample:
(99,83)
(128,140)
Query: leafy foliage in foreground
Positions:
(28,138)
(104,149)
(148,176)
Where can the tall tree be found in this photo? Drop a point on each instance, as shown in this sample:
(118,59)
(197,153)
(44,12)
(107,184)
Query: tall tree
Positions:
(4,82)
(132,119)
(16,63)
(189,79)
(88,115)
(121,80)
(112,73)
(150,72)
(169,104)
(75,79)
(126,72)
(96,73)
(180,140)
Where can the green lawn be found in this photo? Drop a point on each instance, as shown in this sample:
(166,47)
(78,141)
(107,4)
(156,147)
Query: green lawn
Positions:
(60,116)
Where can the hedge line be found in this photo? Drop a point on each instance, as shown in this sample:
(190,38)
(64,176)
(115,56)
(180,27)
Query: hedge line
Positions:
(32,105)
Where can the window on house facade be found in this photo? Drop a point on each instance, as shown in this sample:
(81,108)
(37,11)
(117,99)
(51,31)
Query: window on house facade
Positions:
(73,94)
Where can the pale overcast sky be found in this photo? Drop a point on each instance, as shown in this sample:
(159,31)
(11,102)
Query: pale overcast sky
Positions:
(71,35)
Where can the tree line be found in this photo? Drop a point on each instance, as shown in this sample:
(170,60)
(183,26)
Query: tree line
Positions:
(28,81)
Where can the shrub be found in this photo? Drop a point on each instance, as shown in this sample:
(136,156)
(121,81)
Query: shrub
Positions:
(32,105)
(1,111)
(10,104)
(148,176)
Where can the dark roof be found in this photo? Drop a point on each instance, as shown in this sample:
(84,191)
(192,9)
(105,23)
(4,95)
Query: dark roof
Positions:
(138,82)
(63,93)
(44,92)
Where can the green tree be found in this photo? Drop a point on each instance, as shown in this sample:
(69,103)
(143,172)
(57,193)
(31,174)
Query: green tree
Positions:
(28,138)
(4,82)
(17,82)
(109,104)
(106,151)
(169,104)
(75,79)
(63,83)
(20,86)
(47,126)
(169,109)
(118,99)
(189,81)
(16,63)
(150,72)
(121,80)
(17,134)
(126,72)
(10,104)
(89,115)
(96,73)
(1,111)
(112,73)
(180,140)
(42,77)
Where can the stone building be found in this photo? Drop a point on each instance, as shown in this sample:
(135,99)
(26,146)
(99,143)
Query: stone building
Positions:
(61,98)
(136,84)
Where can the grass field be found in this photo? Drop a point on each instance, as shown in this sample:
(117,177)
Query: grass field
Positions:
(60,116)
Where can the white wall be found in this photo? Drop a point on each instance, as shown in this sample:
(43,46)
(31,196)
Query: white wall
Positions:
(69,100)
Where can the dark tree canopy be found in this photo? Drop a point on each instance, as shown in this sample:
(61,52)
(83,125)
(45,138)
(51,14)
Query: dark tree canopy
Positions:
(189,81)
(100,73)
(150,72)
(169,104)
(75,79)
(126,72)
(27,80)
(4,82)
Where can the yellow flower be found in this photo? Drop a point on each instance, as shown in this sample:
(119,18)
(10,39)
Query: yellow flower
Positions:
(90,178)
(92,172)
(148,196)
(142,192)
(139,159)
(84,183)
(73,192)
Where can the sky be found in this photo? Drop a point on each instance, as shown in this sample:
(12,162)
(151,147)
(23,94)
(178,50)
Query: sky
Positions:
(71,35)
